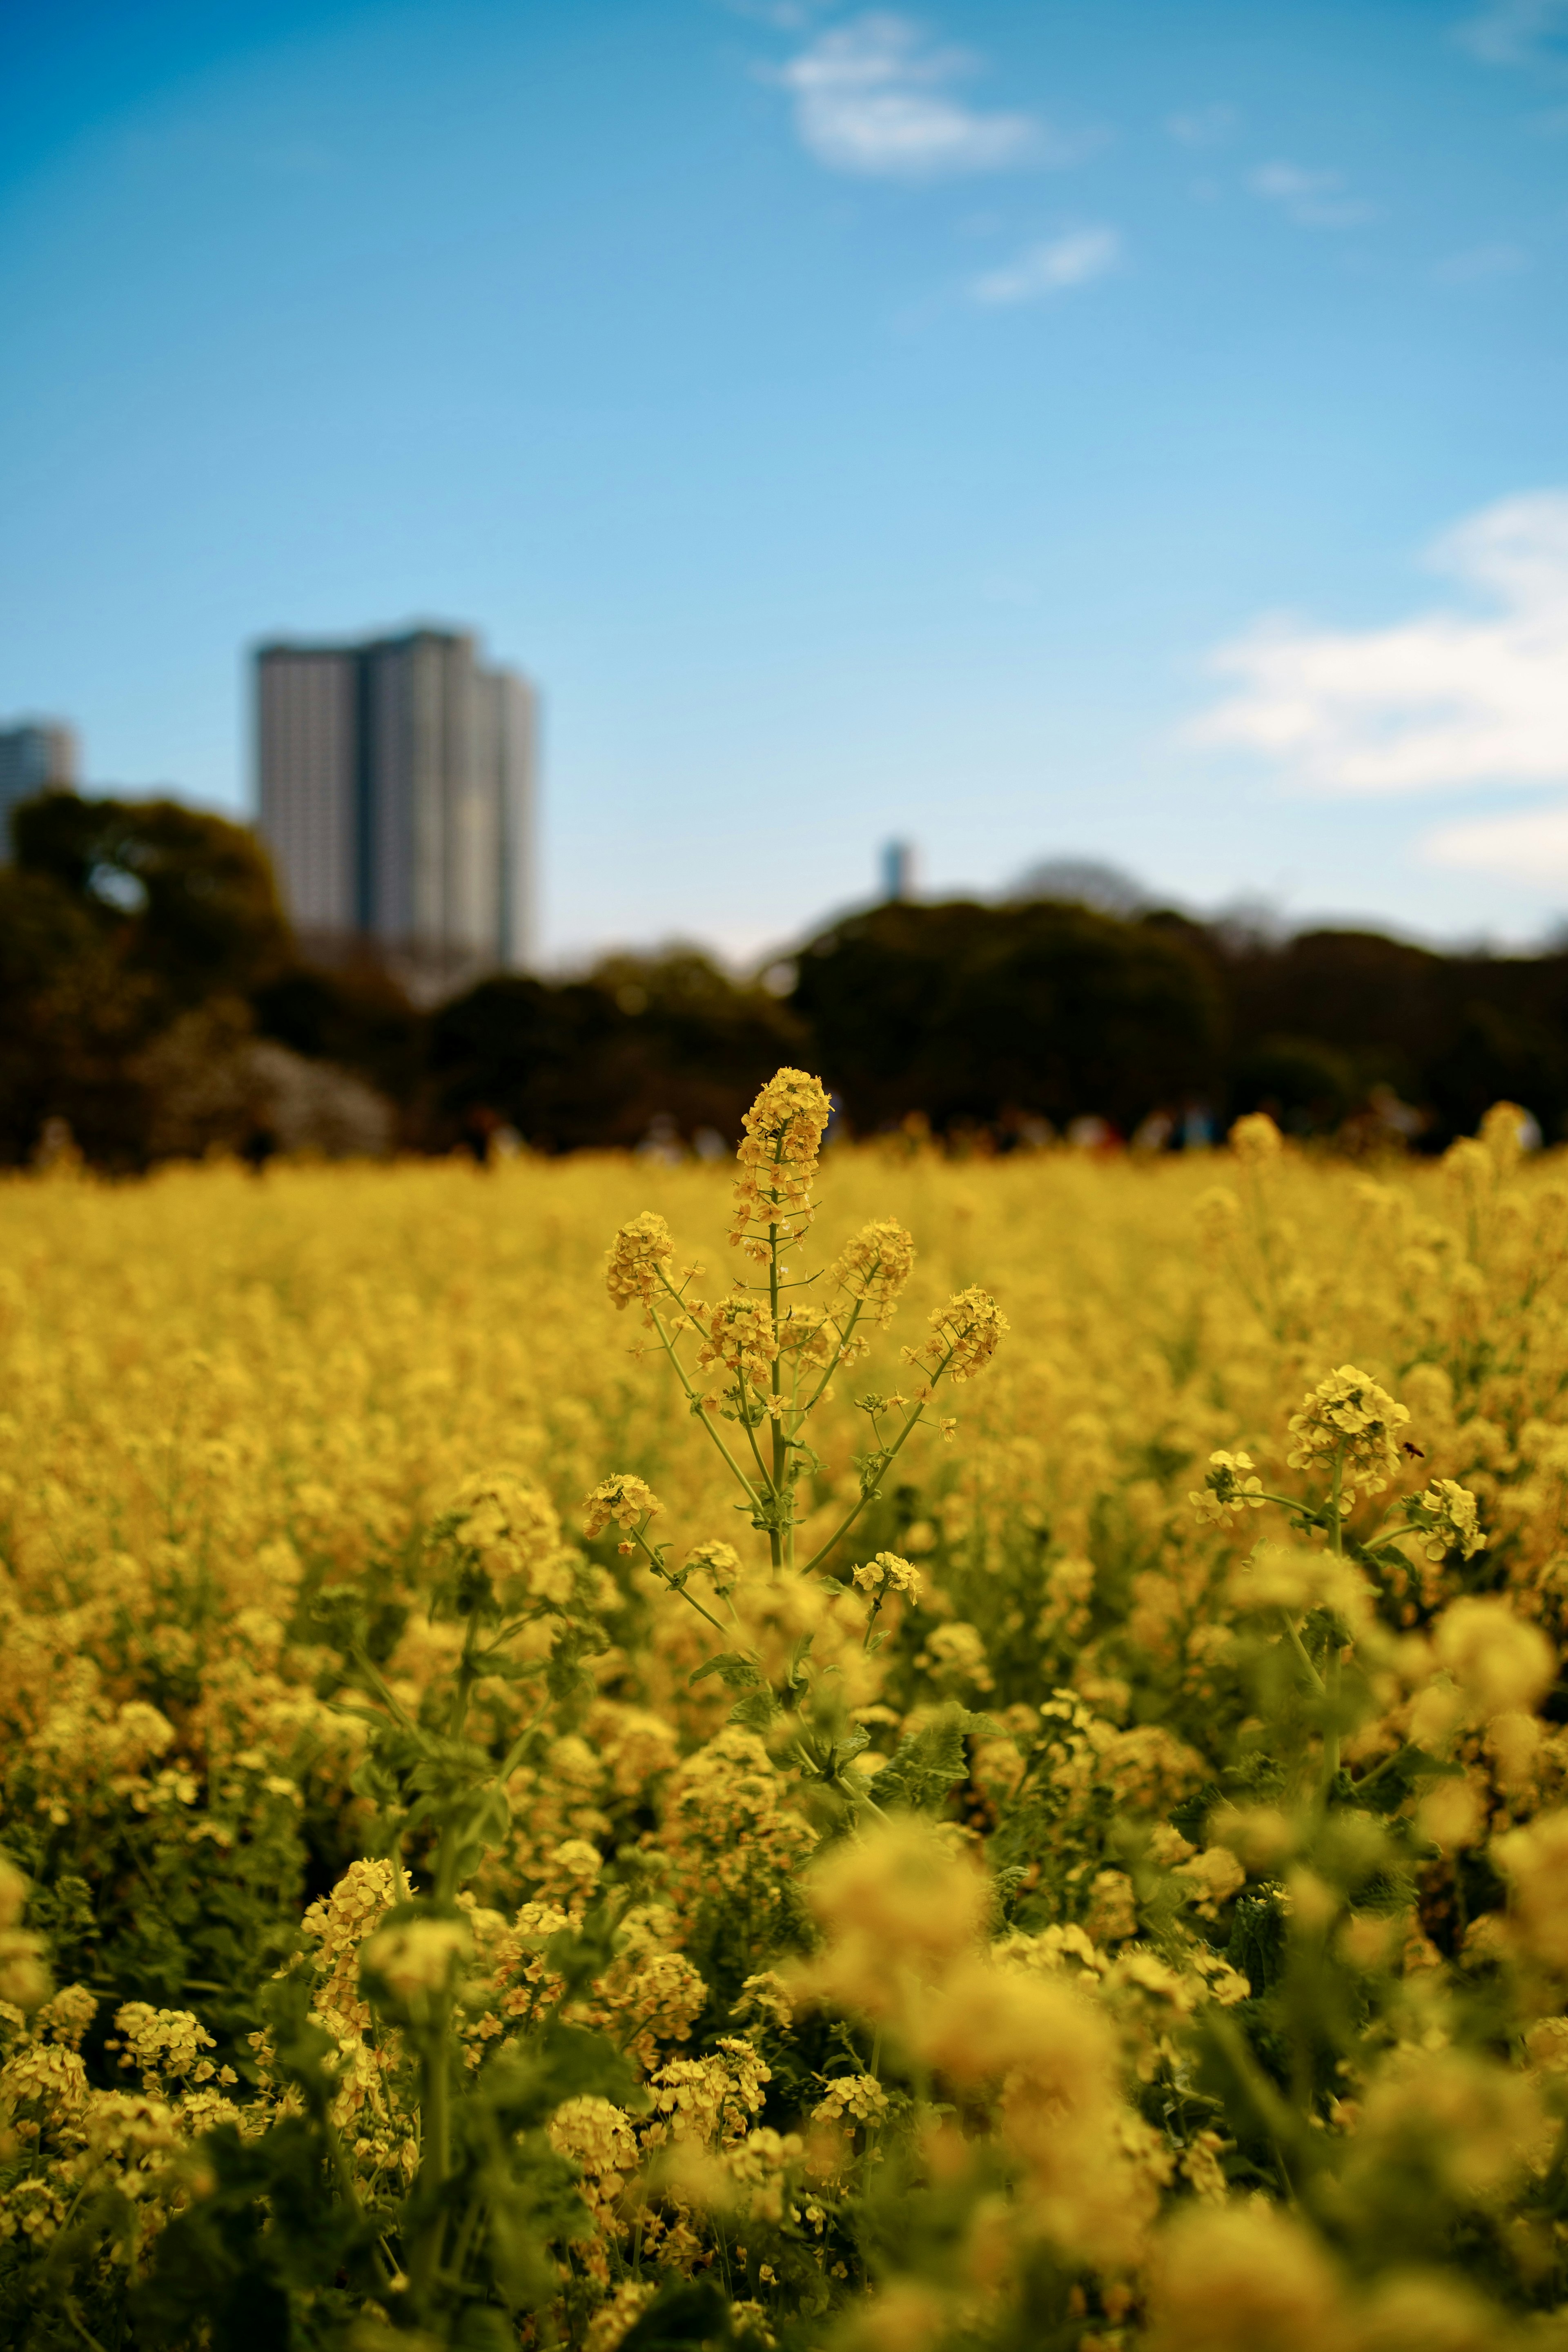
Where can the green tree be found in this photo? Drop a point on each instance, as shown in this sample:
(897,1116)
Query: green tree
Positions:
(116,919)
(190,897)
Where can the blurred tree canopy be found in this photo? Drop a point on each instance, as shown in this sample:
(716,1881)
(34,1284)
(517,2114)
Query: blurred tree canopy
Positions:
(599,1061)
(117,918)
(187,899)
(141,945)
(975,1014)
(1448,1034)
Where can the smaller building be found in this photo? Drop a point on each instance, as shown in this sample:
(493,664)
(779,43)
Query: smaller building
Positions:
(36,755)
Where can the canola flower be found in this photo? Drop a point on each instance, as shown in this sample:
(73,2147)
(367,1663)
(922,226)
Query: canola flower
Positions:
(1096,1881)
(780,1145)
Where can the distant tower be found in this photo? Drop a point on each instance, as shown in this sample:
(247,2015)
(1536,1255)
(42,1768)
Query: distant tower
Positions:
(36,755)
(898,870)
(397,788)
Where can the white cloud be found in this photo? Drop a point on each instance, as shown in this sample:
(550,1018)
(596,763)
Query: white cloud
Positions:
(873,97)
(1203,126)
(1052,267)
(1515,32)
(1311,199)
(1531,846)
(1451,697)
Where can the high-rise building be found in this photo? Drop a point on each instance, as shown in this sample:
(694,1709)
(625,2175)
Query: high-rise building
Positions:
(36,755)
(397,788)
(898,869)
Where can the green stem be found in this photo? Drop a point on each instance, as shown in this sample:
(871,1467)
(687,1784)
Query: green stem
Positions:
(750,1426)
(1332,1727)
(777,1532)
(909,1427)
(1291,1503)
(1262,2097)
(693,1399)
(1331,1655)
(515,1753)
(399,1712)
(663,1573)
(350,2187)
(834,1778)
(467,1675)
(435,2145)
(1308,1668)
(843,1338)
(466,2235)
(77,2321)
(434,2091)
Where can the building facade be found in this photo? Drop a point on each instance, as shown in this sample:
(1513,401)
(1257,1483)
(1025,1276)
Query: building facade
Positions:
(396,786)
(36,755)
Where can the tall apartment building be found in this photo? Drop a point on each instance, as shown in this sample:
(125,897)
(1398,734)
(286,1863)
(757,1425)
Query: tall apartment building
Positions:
(397,784)
(34,755)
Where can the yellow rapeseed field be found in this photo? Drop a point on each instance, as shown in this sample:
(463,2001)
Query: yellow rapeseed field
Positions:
(856,1751)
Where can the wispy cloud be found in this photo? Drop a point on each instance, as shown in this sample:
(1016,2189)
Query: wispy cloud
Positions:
(1451,697)
(1474,265)
(1051,267)
(1311,199)
(874,97)
(1516,32)
(1203,126)
(1529,846)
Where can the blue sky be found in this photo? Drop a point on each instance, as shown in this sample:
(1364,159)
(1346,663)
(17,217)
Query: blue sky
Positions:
(1131,428)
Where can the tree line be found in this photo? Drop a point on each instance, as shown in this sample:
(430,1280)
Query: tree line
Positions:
(154,1002)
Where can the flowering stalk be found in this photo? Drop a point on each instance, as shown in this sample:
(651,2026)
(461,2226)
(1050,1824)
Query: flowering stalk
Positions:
(773,1360)
(1348,1427)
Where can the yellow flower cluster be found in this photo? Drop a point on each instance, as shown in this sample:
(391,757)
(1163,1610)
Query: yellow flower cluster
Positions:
(887,1573)
(1256,1140)
(965,1336)
(720,1562)
(738,1335)
(1165,1919)
(875,1268)
(1350,1421)
(635,1259)
(512,1529)
(1230,1487)
(1444,1520)
(415,1959)
(626,1499)
(852,2098)
(778,1158)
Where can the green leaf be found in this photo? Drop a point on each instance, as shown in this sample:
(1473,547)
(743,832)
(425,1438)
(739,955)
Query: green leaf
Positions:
(757,1711)
(927,1764)
(1385,1791)
(736,1669)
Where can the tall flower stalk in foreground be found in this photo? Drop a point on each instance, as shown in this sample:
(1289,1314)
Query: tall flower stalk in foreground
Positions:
(767,1351)
(754,1365)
